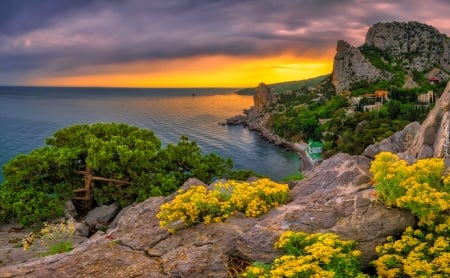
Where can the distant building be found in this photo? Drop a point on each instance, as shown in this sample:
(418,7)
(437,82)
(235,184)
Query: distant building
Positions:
(434,80)
(378,94)
(426,98)
(377,106)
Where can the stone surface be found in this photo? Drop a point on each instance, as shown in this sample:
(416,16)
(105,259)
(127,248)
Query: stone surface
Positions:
(350,66)
(335,197)
(396,143)
(431,139)
(262,98)
(101,215)
(401,39)
(70,212)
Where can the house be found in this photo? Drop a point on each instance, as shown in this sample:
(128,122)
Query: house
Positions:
(434,80)
(426,98)
(377,106)
(314,150)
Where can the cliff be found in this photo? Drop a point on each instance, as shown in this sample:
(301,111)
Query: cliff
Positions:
(262,99)
(400,48)
(350,66)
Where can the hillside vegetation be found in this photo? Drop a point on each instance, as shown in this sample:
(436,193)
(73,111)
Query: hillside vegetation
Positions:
(288,85)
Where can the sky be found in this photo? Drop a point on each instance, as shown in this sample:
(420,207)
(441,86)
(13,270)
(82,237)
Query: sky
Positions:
(188,43)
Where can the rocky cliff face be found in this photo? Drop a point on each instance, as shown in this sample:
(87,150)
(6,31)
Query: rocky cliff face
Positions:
(416,45)
(409,46)
(335,197)
(350,66)
(262,99)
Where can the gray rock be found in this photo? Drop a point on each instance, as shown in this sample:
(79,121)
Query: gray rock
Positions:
(70,211)
(350,66)
(81,229)
(396,143)
(413,46)
(101,214)
(432,138)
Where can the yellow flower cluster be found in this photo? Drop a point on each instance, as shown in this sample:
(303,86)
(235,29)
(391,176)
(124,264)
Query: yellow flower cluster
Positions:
(311,255)
(417,253)
(49,236)
(198,204)
(418,187)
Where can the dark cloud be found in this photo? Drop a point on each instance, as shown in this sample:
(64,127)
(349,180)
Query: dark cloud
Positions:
(57,36)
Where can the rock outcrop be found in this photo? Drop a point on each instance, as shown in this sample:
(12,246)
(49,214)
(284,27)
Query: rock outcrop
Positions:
(415,44)
(262,99)
(334,197)
(350,67)
(410,46)
(397,143)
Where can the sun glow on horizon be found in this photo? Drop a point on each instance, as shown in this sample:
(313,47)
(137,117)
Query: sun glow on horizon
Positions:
(203,71)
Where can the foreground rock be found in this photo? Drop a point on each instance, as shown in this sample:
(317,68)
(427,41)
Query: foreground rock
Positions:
(335,197)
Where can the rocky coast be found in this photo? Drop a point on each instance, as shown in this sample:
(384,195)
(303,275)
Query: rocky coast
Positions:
(256,119)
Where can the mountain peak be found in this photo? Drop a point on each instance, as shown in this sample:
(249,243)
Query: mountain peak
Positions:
(391,50)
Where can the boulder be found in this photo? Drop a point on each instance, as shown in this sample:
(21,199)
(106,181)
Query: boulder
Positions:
(396,143)
(101,215)
(334,197)
(70,212)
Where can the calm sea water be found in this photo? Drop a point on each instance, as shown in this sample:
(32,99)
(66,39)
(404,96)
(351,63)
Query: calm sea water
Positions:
(28,115)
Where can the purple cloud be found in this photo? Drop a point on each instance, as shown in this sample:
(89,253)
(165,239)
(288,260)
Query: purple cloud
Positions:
(57,36)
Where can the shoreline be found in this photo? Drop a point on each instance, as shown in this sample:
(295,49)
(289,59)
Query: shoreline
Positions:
(257,125)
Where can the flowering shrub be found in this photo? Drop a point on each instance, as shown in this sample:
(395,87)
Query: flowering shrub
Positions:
(310,255)
(418,253)
(51,239)
(198,204)
(419,187)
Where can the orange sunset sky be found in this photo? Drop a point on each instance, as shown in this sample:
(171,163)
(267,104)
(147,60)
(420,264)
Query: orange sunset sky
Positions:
(182,43)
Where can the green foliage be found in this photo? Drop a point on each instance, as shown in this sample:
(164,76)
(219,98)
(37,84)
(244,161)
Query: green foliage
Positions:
(421,252)
(36,185)
(310,255)
(296,124)
(51,239)
(288,85)
(242,175)
(293,177)
(420,188)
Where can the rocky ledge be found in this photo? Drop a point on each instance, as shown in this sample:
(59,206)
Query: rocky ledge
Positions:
(335,197)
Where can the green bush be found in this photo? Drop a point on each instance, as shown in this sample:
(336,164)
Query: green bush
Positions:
(36,185)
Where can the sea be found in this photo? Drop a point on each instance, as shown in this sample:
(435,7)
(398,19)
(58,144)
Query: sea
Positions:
(28,115)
